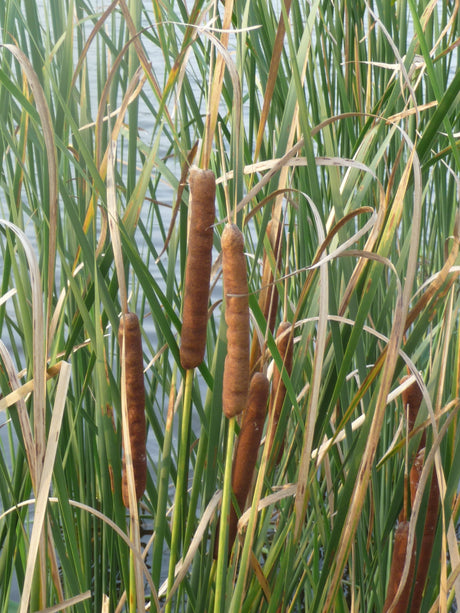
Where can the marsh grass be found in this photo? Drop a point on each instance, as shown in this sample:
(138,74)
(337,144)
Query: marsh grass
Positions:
(341,121)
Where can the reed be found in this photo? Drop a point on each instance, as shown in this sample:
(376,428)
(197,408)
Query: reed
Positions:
(268,297)
(285,346)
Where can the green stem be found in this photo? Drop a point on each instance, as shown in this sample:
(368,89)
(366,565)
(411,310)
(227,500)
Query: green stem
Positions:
(222,554)
(238,592)
(182,473)
(163,482)
(135,8)
(132,577)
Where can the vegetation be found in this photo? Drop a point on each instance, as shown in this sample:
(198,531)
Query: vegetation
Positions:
(335,122)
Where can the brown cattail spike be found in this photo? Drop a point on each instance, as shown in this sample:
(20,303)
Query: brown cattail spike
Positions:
(426,546)
(396,571)
(415,473)
(198,267)
(247,449)
(135,400)
(412,399)
(236,367)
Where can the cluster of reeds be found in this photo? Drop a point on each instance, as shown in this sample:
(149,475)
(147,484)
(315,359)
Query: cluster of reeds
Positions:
(226,231)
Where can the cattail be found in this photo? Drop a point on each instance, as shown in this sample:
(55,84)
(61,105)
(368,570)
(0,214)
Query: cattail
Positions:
(247,449)
(198,267)
(236,367)
(426,546)
(412,399)
(415,473)
(285,347)
(396,571)
(129,332)
(268,296)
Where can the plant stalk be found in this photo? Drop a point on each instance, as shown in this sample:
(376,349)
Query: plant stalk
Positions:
(222,553)
(182,473)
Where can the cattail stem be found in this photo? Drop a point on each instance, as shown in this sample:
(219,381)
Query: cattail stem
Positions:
(163,483)
(132,576)
(222,545)
(181,481)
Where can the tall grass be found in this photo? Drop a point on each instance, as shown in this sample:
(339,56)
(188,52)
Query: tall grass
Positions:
(341,121)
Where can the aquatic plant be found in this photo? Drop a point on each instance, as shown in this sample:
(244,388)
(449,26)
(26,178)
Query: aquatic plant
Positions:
(336,123)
